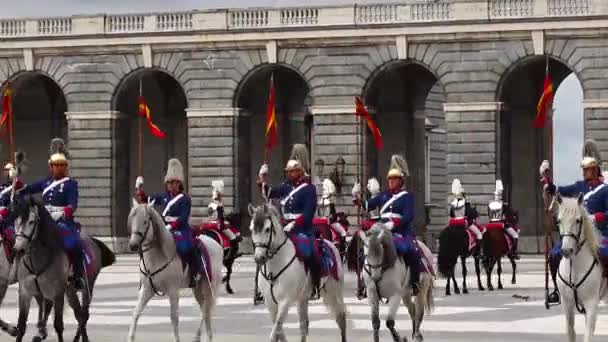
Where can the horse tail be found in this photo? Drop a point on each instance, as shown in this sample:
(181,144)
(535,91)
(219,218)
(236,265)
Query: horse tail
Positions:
(353,261)
(108,257)
(448,251)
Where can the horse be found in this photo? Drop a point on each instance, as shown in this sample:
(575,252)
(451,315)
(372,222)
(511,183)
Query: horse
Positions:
(286,280)
(387,276)
(454,242)
(163,273)
(326,232)
(496,246)
(231,252)
(581,285)
(6,262)
(43,269)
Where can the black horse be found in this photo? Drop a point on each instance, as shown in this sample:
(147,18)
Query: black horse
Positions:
(454,243)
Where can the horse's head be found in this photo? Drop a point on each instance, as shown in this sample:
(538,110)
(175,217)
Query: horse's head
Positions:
(27,215)
(575,228)
(140,223)
(381,253)
(265,229)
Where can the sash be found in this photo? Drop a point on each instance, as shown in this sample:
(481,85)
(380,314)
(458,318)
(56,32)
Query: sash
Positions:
(390,201)
(293,192)
(171,203)
(6,190)
(592,192)
(54,184)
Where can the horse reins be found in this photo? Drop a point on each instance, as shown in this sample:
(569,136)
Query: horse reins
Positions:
(574,287)
(367,267)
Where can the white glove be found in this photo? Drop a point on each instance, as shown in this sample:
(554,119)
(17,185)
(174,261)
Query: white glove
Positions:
(288,227)
(57,215)
(592,219)
(263,170)
(389,225)
(12,173)
(544,167)
(139,182)
(373,186)
(168,227)
(356,189)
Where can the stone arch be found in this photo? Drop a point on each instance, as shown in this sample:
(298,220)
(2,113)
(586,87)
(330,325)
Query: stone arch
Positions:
(39,106)
(167,101)
(407,99)
(294,123)
(520,147)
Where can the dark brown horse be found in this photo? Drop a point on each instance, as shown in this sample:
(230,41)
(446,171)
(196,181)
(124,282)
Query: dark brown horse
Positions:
(495,247)
(354,262)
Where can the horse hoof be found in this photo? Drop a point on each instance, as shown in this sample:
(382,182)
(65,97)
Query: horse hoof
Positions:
(12,331)
(229,290)
(513,282)
(465,291)
(457,292)
(490,288)
(500,287)
(37,339)
(448,294)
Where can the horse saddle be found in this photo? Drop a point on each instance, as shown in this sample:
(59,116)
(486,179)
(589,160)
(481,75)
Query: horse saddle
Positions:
(205,269)
(88,256)
(329,264)
(212,229)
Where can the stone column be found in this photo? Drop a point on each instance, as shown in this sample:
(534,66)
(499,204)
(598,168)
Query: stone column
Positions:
(94,143)
(472,149)
(596,123)
(338,132)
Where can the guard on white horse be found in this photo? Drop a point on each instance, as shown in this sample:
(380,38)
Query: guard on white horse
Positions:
(397,213)
(463,214)
(499,211)
(298,200)
(176,207)
(595,201)
(327,204)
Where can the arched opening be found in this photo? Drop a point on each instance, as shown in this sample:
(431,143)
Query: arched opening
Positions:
(408,103)
(167,102)
(39,108)
(293,119)
(522,147)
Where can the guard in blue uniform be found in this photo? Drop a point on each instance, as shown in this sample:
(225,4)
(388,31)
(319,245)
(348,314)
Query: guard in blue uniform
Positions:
(60,198)
(595,195)
(298,200)
(397,212)
(176,206)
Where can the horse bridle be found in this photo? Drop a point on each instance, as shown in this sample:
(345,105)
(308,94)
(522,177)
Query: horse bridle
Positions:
(367,267)
(576,237)
(30,237)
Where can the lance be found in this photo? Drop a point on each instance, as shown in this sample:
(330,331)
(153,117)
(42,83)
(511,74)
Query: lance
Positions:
(140,132)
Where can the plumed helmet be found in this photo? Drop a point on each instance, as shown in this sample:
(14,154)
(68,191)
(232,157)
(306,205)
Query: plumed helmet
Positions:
(58,152)
(591,155)
(457,189)
(298,159)
(499,190)
(175,171)
(398,167)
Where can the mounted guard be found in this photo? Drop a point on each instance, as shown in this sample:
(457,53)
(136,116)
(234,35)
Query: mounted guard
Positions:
(218,217)
(463,214)
(176,206)
(499,211)
(330,218)
(595,200)
(298,199)
(397,212)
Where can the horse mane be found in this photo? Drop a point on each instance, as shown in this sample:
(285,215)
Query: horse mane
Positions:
(262,213)
(380,240)
(571,207)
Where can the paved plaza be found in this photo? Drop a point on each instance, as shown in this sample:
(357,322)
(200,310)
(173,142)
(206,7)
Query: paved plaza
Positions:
(514,314)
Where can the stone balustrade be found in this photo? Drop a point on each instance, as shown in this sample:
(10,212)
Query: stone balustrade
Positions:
(309,17)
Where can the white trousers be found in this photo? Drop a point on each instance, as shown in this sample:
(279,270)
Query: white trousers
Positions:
(512,233)
(475,230)
(229,234)
(339,229)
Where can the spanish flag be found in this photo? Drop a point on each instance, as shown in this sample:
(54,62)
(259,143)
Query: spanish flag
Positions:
(144,111)
(361,111)
(272,134)
(546,99)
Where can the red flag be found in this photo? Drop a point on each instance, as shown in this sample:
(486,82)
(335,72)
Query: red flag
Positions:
(272,134)
(546,99)
(144,111)
(361,111)
(6,105)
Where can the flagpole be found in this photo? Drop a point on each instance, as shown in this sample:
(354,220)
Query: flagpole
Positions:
(140,133)
(11,135)
(547,199)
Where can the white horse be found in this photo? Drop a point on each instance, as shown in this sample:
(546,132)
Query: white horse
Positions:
(162,272)
(387,276)
(285,279)
(580,281)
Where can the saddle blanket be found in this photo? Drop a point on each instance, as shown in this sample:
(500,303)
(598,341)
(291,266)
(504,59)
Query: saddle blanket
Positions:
(206,270)
(500,225)
(321,249)
(211,228)
(88,256)
(427,264)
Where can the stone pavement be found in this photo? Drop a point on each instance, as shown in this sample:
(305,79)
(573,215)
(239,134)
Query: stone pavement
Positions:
(498,315)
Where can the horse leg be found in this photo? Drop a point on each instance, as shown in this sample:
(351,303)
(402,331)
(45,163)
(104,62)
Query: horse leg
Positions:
(590,319)
(229,275)
(84,311)
(44,310)
(74,303)
(374,302)
(144,297)
(58,303)
(456,289)
(478,272)
(569,312)
(464,275)
(174,307)
(303,315)
(514,267)
(281,314)
(334,300)
(5,326)
(206,305)
(489,268)
(25,301)
(393,306)
(447,285)
(499,271)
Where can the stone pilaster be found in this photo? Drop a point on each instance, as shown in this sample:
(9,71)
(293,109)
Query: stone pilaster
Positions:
(596,123)
(96,164)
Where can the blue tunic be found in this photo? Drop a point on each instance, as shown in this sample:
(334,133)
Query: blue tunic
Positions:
(5,201)
(299,203)
(595,196)
(60,195)
(176,213)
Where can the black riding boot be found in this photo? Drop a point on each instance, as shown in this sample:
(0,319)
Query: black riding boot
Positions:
(77,279)
(195,267)
(553,267)
(514,254)
(477,250)
(414,261)
(314,268)
(342,248)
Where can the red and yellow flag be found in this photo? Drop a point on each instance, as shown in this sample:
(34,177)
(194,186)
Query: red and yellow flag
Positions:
(272,134)
(546,99)
(361,111)
(6,105)
(144,111)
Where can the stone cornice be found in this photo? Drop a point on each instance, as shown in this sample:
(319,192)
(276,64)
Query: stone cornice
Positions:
(452,107)
(595,104)
(212,112)
(95,115)
(333,110)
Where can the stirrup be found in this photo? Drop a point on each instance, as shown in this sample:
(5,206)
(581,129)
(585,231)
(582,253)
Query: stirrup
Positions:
(554,298)
(258,298)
